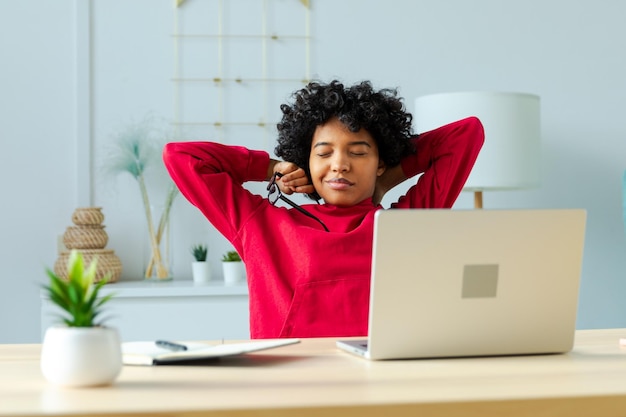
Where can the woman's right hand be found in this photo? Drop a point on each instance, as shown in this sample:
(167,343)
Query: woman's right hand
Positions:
(294,179)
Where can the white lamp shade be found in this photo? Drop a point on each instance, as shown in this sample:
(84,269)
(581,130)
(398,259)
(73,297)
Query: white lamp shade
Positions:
(510,157)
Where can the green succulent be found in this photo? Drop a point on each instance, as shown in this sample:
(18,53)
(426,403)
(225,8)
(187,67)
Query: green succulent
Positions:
(78,295)
(231,256)
(199,252)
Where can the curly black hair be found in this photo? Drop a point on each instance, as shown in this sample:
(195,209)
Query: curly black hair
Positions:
(381,113)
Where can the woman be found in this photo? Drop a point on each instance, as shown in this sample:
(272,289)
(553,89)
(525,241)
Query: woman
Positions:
(309,267)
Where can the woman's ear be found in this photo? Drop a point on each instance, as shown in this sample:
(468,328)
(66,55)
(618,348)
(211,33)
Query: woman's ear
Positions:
(381,168)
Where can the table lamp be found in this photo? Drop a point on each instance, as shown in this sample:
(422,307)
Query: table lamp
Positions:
(510,157)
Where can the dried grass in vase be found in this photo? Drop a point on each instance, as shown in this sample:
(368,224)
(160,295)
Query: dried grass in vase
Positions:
(135,150)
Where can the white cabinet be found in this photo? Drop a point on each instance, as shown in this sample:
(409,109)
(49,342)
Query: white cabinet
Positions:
(175,310)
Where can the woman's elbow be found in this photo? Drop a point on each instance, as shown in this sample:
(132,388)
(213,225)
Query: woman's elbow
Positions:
(475,130)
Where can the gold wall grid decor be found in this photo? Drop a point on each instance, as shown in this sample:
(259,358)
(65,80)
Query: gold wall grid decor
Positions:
(235,62)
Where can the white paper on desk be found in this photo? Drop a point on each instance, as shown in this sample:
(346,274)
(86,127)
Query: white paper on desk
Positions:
(148,353)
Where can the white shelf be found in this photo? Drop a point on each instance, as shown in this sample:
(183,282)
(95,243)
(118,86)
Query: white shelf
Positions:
(173,288)
(176,310)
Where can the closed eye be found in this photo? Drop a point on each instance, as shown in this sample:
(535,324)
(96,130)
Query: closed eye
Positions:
(359,150)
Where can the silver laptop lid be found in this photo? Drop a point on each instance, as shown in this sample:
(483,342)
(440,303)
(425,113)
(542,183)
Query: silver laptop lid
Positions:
(474,282)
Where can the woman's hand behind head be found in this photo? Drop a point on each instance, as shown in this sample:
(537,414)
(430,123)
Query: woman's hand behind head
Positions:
(293,180)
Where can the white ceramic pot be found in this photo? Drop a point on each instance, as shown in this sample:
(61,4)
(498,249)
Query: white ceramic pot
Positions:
(201,272)
(81,356)
(234,272)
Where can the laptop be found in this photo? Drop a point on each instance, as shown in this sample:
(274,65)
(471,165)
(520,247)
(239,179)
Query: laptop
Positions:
(459,283)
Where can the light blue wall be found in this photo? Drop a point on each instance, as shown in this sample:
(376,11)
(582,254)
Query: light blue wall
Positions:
(569,52)
(37,158)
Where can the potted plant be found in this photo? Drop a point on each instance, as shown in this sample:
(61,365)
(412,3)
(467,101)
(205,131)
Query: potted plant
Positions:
(80,351)
(200,267)
(233,268)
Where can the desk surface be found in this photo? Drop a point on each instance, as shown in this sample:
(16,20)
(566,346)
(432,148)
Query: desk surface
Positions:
(314,378)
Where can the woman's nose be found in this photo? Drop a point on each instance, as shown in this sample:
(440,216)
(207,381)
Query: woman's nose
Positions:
(340,163)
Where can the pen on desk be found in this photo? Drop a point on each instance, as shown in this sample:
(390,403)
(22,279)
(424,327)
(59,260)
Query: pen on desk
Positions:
(170,345)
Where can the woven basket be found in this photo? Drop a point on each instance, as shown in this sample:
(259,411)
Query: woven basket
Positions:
(85,237)
(108,263)
(88,216)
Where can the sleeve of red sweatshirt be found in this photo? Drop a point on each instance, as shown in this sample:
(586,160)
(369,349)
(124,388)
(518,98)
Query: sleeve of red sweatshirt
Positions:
(445,157)
(210,175)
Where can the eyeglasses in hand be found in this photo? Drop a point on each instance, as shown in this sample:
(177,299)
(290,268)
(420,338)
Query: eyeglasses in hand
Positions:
(274,194)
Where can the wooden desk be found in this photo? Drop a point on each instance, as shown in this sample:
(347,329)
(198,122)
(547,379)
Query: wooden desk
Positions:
(314,378)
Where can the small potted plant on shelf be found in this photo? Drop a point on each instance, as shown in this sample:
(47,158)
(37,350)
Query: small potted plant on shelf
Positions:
(81,351)
(233,268)
(201,269)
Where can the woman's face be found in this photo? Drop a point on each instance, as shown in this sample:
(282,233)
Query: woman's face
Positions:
(344,165)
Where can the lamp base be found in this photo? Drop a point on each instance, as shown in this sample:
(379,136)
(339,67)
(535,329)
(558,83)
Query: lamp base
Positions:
(478,199)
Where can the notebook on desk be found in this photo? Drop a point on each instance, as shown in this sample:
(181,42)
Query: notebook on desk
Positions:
(160,352)
(452,283)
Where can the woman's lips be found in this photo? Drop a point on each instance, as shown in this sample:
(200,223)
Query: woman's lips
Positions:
(339,183)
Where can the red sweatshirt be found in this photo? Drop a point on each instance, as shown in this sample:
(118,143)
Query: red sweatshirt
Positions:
(304,281)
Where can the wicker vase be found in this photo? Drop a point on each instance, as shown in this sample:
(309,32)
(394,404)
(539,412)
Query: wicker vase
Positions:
(85,237)
(88,216)
(108,263)
(90,239)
